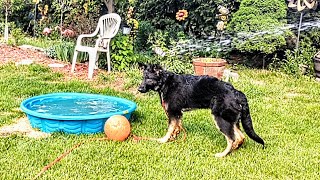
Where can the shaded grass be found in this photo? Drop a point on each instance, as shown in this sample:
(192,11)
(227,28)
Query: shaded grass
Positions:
(285,111)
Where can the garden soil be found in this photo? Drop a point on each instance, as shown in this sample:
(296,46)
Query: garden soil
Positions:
(26,54)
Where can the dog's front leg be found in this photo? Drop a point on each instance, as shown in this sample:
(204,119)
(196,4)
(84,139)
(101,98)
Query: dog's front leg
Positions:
(173,129)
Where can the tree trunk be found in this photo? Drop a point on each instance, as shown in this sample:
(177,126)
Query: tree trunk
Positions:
(109,4)
(6,28)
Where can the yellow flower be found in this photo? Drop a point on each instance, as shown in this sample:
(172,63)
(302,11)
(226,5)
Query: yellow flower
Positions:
(85,6)
(181,15)
(133,23)
(224,17)
(36,1)
(220,26)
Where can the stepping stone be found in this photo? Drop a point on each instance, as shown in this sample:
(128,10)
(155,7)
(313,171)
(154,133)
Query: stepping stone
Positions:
(24,62)
(31,47)
(56,65)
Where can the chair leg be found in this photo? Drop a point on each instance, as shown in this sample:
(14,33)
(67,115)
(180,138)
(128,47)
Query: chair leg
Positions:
(74,60)
(92,60)
(96,61)
(108,59)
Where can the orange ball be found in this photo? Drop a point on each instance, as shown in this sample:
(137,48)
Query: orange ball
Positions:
(117,128)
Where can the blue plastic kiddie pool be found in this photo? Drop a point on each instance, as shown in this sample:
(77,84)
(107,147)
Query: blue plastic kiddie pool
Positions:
(74,113)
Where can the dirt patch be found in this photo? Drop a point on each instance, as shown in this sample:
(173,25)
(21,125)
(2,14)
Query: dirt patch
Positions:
(27,55)
(22,127)
(291,95)
(259,83)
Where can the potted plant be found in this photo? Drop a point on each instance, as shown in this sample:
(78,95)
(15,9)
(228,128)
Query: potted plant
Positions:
(209,66)
(209,62)
(126,29)
(130,22)
(316,60)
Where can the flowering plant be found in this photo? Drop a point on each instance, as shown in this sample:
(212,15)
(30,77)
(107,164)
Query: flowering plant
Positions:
(181,15)
(131,22)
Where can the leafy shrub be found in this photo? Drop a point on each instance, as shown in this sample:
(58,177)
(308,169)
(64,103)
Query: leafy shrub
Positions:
(16,36)
(146,57)
(159,39)
(122,53)
(62,51)
(169,55)
(296,61)
(314,35)
(18,11)
(202,14)
(256,26)
(51,52)
(142,35)
(177,64)
(80,15)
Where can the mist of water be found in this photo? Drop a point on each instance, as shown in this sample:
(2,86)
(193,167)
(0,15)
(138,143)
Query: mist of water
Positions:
(224,42)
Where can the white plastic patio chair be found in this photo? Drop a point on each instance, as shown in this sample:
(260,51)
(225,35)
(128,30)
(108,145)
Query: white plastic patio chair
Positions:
(107,28)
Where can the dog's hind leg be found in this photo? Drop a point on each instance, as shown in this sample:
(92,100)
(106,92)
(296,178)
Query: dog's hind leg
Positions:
(227,130)
(227,150)
(239,136)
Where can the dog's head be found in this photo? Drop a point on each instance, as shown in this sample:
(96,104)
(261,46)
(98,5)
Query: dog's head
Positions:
(152,78)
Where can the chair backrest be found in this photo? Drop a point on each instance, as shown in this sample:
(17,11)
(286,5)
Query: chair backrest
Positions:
(109,25)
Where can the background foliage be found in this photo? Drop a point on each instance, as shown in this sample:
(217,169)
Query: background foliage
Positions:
(260,23)
(200,22)
(259,30)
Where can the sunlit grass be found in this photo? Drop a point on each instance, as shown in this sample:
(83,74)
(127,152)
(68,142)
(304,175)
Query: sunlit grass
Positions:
(285,112)
(38,42)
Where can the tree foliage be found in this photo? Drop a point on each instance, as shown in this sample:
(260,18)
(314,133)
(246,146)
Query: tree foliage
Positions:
(11,4)
(12,7)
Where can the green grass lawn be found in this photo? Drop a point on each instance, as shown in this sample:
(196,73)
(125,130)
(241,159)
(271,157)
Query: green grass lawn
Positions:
(285,112)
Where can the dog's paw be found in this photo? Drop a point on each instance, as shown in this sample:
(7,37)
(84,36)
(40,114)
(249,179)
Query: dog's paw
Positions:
(220,155)
(237,144)
(174,135)
(162,140)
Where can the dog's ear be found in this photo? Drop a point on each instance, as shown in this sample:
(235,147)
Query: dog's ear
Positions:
(167,77)
(142,66)
(158,69)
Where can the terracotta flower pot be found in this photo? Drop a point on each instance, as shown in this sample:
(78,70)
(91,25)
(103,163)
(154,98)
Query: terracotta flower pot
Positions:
(316,61)
(209,66)
(126,30)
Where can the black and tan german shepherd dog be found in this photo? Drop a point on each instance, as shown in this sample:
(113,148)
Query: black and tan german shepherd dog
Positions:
(184,92)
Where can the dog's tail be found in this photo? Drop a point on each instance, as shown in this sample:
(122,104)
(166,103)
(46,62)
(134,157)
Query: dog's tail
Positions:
(247,124)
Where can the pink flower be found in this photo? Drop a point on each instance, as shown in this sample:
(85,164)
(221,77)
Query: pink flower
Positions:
(47,31)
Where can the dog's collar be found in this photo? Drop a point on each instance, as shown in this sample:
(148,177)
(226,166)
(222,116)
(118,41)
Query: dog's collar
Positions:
(163,104)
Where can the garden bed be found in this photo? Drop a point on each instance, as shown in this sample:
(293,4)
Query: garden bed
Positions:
(17,55)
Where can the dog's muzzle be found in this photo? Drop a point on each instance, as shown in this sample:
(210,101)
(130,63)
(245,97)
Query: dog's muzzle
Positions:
(142,89)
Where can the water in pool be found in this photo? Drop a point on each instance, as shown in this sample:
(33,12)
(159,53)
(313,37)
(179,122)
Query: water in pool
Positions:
(67,106)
